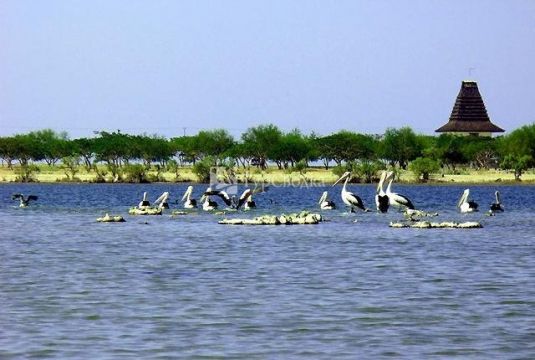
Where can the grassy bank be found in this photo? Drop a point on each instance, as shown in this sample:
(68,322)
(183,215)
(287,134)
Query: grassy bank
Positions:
(54,174)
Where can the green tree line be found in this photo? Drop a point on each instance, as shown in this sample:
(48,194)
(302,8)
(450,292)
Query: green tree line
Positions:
(129,157)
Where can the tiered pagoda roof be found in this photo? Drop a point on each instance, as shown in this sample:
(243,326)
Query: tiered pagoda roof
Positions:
(469,114)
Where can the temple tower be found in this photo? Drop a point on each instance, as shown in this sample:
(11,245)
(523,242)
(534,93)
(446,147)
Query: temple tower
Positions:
(469,115)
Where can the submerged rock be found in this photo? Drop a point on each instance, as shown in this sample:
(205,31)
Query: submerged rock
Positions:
(112,218)
(145,211)
(416,215)
(302,218)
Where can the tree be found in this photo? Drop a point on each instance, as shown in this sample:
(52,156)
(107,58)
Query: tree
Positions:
(86,149)
(518,150)
(346,146)
(70,165)
(517,163)
(186,149)
(259,142)
(115,149)
(52,146)
(400,146)
(448,150)
(214,143)
(151,149)
(292,148)
(202,169)
(520,142)
(8,150)
(422,167)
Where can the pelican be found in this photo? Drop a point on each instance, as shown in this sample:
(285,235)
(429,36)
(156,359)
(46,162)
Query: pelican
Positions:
(222,194)
(189,203)
(145,202)
(246,200)
(207,203)
(466,205)
(325,203)
(162,201)
(349,198)
(381,199)
(24,201)
(496,206)
(396,199)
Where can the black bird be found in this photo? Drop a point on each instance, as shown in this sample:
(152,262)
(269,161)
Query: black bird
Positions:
(24,201)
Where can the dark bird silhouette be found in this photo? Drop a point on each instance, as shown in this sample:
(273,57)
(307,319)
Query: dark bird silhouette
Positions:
(24,201)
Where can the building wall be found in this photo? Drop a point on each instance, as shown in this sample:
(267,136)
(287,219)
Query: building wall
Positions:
(460,133)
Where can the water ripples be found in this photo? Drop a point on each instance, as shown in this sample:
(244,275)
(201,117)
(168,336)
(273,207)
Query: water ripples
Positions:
(187,287)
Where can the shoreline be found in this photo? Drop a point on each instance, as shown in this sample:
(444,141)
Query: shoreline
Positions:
(274,176)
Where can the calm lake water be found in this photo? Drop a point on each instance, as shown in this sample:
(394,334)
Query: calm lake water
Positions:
(186,287)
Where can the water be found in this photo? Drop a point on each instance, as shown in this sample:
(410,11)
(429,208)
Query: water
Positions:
(186,287)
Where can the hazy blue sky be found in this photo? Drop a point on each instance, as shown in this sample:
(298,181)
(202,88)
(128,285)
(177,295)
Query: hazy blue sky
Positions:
(158,66)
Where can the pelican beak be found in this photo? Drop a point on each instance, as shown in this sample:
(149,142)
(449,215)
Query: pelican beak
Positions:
(381,181)
(463,198)
(343,177)
(188,192)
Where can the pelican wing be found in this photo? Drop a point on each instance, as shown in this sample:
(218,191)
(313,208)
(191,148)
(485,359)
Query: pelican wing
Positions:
(16,196)
(355,200)
(402,200)
(243,198)
(222,194)
(32,197)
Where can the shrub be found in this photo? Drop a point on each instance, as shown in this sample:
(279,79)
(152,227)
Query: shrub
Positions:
(422,167)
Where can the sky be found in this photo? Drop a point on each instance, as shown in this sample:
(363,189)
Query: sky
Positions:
(177,67)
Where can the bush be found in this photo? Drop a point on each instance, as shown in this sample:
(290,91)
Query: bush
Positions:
(136,173)
(422,167)
(202,169)
(517,163)
(26,173)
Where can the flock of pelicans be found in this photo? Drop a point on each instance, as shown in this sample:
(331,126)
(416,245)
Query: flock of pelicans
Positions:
(383,198)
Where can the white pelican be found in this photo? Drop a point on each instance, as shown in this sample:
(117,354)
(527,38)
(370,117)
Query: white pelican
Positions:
(222,194)
(246,199)
(496,206)
(162,201)
(207,203)
(396,199)
(145,202)
(466,205)
(381,199)
(325,203)
(349,198)
(24,201)
(189,203)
